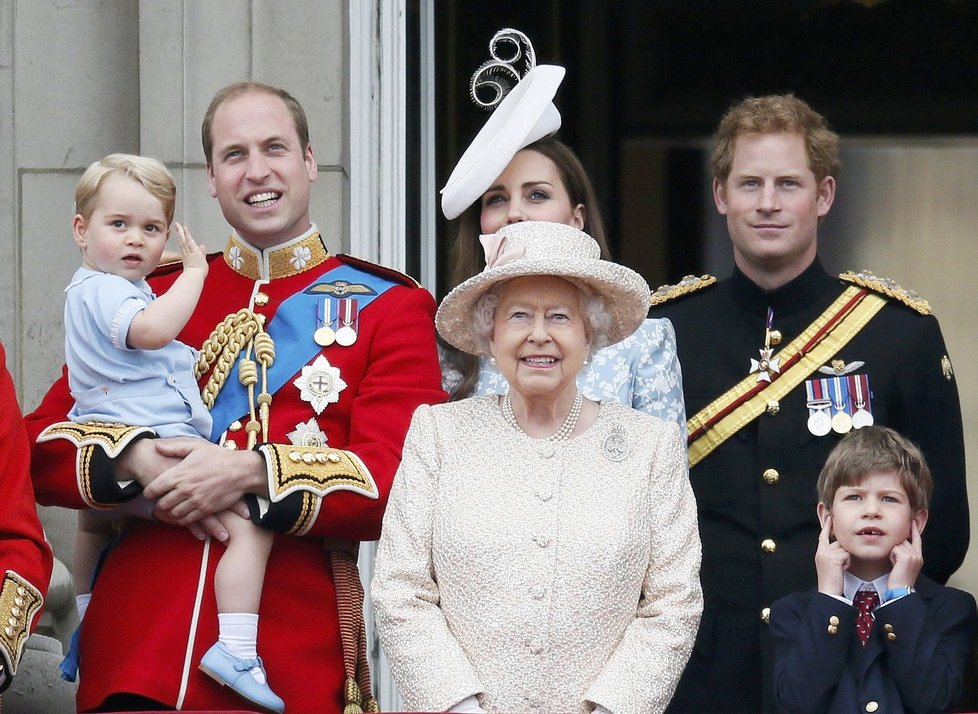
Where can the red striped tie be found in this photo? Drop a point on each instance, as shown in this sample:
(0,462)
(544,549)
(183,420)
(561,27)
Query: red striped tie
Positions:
(865,601)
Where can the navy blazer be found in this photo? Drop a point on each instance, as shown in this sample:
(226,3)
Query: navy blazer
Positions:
(914,661)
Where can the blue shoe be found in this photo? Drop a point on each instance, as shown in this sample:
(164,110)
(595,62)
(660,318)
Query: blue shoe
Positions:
(226,669)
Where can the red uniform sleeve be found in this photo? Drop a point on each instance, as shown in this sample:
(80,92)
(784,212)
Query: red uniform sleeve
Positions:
(25,557)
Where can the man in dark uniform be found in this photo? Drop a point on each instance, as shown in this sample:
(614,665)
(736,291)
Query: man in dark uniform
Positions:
(779,361)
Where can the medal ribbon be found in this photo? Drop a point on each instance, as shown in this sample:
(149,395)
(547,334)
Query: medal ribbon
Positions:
(747,400)
(294,343)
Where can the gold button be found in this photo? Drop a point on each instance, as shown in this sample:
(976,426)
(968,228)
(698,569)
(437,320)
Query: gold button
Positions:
(888,627)
(776,337)
(832,629)
(295,457)
(833,620)
(872,706)
(766,615)
(261,299)
(230,446)
(768,545)
(334,457)
(15,611)
(771,476)
(19,601)
(891,636)
(234,426)
(773,407)
(8,631)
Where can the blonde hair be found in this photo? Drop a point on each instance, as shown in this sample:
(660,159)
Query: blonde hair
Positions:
(149,172)
(776,114)
(876,449)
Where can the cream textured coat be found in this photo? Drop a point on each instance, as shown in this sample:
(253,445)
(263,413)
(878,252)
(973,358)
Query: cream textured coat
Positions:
(538,575)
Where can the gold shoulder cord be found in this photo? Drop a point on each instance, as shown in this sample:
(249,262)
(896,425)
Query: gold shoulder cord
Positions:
(241,331)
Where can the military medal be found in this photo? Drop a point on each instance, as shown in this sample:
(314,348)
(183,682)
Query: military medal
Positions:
(349,314)
(307,434)
(841,421)
(767,364)
(320,384)
(859,383)
(324,335)
(819,421)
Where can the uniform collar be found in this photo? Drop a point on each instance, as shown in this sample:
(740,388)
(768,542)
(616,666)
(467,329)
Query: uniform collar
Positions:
(790,297)
(290,258)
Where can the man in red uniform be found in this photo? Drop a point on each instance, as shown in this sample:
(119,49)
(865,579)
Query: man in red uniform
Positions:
(312,365)
(25,557)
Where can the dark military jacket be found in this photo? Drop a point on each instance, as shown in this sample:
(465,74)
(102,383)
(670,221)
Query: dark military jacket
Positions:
(756,492)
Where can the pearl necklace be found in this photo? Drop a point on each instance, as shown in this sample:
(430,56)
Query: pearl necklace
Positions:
(565,430)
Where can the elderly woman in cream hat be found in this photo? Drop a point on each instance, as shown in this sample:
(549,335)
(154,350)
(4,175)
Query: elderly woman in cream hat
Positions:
(540,550)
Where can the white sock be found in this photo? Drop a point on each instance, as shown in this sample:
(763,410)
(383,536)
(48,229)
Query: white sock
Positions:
(81,604)
(238,631)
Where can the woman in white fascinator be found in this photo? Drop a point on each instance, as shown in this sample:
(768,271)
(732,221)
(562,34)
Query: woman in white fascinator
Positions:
(540,550)
(515,170)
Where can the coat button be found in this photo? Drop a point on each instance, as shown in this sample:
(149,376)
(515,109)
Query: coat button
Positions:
(773,407)
(832,629)
(771,476)
(891,636)
(872,706)
(768,546)
(766,615)
(834,620)
(776,337)
(261,299)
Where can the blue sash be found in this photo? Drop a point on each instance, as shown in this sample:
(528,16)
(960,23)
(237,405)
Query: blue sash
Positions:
(292,330)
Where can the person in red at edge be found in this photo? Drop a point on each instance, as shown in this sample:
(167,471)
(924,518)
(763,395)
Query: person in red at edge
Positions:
(337,353)
(25,557)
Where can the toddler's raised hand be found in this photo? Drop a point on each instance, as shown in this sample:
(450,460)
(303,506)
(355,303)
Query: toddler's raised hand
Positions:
(194,256)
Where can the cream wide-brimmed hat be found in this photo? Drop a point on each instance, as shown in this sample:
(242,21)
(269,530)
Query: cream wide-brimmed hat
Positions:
(523,115)
(543,248)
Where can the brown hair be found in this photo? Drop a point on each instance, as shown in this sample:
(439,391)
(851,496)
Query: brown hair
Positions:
(876,448)
(149,172)
(233,91)
(467,258)
(776,114)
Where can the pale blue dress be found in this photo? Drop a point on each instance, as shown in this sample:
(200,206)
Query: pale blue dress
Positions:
(110,381)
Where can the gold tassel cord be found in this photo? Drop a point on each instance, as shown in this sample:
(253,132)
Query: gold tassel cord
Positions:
(241,331)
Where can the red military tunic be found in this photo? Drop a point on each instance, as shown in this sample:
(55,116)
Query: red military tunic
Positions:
(153,613)
(25,557)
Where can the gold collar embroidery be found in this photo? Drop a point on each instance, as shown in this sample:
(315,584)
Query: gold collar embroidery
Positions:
(282,261)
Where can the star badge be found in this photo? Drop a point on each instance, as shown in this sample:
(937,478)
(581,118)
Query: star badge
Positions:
(320,384)
(307,434)
(765,365)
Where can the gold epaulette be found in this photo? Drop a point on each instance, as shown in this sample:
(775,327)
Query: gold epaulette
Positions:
(19,604)
(887,288)
(111,438)
(689,284)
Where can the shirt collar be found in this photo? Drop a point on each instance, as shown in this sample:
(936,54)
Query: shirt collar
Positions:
(851,584)
(290,258)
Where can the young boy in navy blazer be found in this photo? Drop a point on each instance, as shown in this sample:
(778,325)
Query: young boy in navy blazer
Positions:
(908,651)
